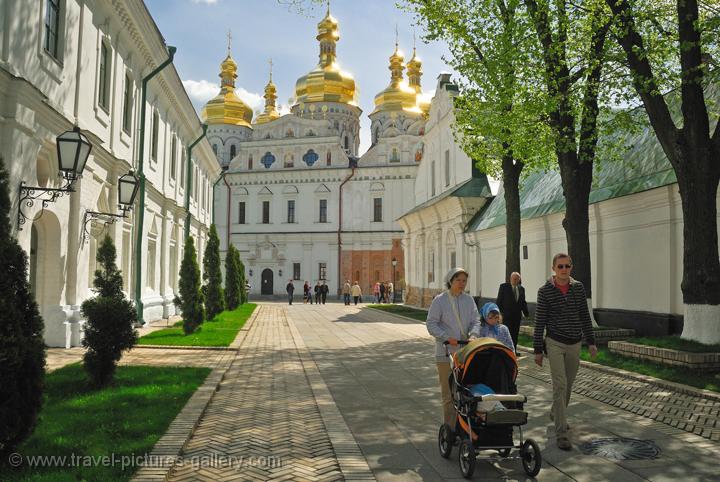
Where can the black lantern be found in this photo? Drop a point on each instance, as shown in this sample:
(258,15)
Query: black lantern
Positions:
(128,186)
(73,149)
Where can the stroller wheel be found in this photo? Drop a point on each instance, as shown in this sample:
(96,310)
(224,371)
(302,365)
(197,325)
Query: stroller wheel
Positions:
(466,458)
(531,457)
(446,440)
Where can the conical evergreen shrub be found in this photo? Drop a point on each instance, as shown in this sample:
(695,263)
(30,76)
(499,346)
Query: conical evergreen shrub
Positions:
(22,349)
(191,297)
(232,279)
(212,276)
(110,318)
(243,280)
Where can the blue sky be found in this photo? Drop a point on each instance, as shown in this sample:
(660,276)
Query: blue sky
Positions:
(264,29)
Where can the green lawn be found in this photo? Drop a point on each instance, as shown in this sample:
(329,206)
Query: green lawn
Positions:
(707,381)
(676,343)
(221,331)
(403,310)
(126,418)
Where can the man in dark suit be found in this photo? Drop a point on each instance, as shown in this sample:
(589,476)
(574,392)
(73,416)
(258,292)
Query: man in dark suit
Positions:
(511,300)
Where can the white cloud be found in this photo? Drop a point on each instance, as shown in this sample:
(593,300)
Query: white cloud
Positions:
(201,91)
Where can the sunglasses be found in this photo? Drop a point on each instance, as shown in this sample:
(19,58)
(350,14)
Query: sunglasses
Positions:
(563,266)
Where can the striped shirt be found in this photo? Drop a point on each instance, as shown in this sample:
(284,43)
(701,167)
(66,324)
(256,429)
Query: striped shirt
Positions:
(565,317)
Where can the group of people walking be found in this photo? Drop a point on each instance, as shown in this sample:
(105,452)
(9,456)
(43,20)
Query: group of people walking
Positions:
(562,321)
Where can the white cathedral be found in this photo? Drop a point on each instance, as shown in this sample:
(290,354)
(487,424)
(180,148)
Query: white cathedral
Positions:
(297,199)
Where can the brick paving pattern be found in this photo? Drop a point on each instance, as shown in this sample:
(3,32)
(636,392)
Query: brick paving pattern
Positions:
(263,423)
(689,413)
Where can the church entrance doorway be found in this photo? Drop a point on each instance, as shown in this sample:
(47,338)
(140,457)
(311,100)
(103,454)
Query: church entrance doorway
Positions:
(266,286)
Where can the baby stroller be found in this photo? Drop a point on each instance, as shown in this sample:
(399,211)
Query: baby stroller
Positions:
(488,407)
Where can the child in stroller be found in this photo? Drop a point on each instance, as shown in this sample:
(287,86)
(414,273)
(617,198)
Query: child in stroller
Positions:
(487,405)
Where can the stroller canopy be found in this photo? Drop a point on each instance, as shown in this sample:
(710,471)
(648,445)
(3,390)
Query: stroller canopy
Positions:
(486,360)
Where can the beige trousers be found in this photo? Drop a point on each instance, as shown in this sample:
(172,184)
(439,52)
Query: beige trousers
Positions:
(443,369)
(564,362)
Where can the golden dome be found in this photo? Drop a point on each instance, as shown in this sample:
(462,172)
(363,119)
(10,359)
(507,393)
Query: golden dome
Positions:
(226,107)
(326,83)
(414,72)
(270,112)
(398,96)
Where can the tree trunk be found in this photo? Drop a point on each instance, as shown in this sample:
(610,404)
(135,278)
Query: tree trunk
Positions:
(698,184)
(576,182)
(511,188)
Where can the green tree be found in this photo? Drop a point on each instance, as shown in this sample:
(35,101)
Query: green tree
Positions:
(191,296)
(670,45)
(243,280)
(232,279)
(497,110)
(212,276)
(22,350)
(110,317)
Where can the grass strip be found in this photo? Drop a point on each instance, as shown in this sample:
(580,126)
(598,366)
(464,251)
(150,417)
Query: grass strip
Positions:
(706,381)
(221,331)
(91,432)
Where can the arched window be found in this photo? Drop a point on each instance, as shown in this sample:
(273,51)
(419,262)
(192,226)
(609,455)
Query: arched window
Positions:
(347,143)
(328,158)
(232,152)
(250,162)
(395,156)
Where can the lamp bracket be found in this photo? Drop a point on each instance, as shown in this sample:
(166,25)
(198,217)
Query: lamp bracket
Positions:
(106,218)
(47,195)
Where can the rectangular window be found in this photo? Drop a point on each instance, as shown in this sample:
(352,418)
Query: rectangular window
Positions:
(525,251)
(377,209)
(52,27)
(296,271)
(323,210)
(127,106)
(104,77)
(173,157)
(447,168)
(322,270)
(154,138)
(241,212)
(291,212)
(453,259)
(266,212)
(432,178)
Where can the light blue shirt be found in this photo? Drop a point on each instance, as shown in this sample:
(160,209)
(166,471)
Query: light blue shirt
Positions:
(499,332)
(442,324)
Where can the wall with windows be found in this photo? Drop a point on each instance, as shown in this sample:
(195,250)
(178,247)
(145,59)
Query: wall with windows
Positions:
(65,63)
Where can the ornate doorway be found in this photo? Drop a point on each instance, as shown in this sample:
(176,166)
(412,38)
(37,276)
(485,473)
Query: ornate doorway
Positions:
(266,280)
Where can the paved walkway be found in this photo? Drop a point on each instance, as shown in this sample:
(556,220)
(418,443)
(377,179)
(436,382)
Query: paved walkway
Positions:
(342,393)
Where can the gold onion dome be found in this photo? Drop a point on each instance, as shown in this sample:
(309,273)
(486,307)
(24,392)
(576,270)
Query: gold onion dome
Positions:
(398,96)
(326,83)
(226,107)
(414,71)
(270,112)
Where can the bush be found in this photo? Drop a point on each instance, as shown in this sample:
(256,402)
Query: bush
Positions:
(110,318)
(22,349)
(191,297)
(232,279)
(214,298)
(243,280)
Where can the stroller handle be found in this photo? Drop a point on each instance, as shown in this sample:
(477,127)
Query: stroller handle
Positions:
(459,342)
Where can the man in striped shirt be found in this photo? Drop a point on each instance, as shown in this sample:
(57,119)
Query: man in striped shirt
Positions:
(562,319)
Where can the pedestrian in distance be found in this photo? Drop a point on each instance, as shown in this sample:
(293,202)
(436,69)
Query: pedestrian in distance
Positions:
(512,304)
(453,316)
(383,289)
(306,292)
(346,292)
(316,290)
(356,292)
(391,292)
(491,325)
(562,320)
(376,292)
(290,288)
(324,290)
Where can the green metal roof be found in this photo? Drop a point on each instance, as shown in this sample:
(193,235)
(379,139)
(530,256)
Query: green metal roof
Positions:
(476,186)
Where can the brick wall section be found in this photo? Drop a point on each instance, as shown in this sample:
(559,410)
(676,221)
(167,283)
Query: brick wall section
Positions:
(372,266)
(421,297)
(702,361)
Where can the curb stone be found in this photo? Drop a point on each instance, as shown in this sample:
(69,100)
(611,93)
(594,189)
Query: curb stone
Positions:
(168,450)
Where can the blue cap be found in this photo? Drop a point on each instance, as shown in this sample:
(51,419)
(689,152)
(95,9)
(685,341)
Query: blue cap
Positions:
(487,309)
